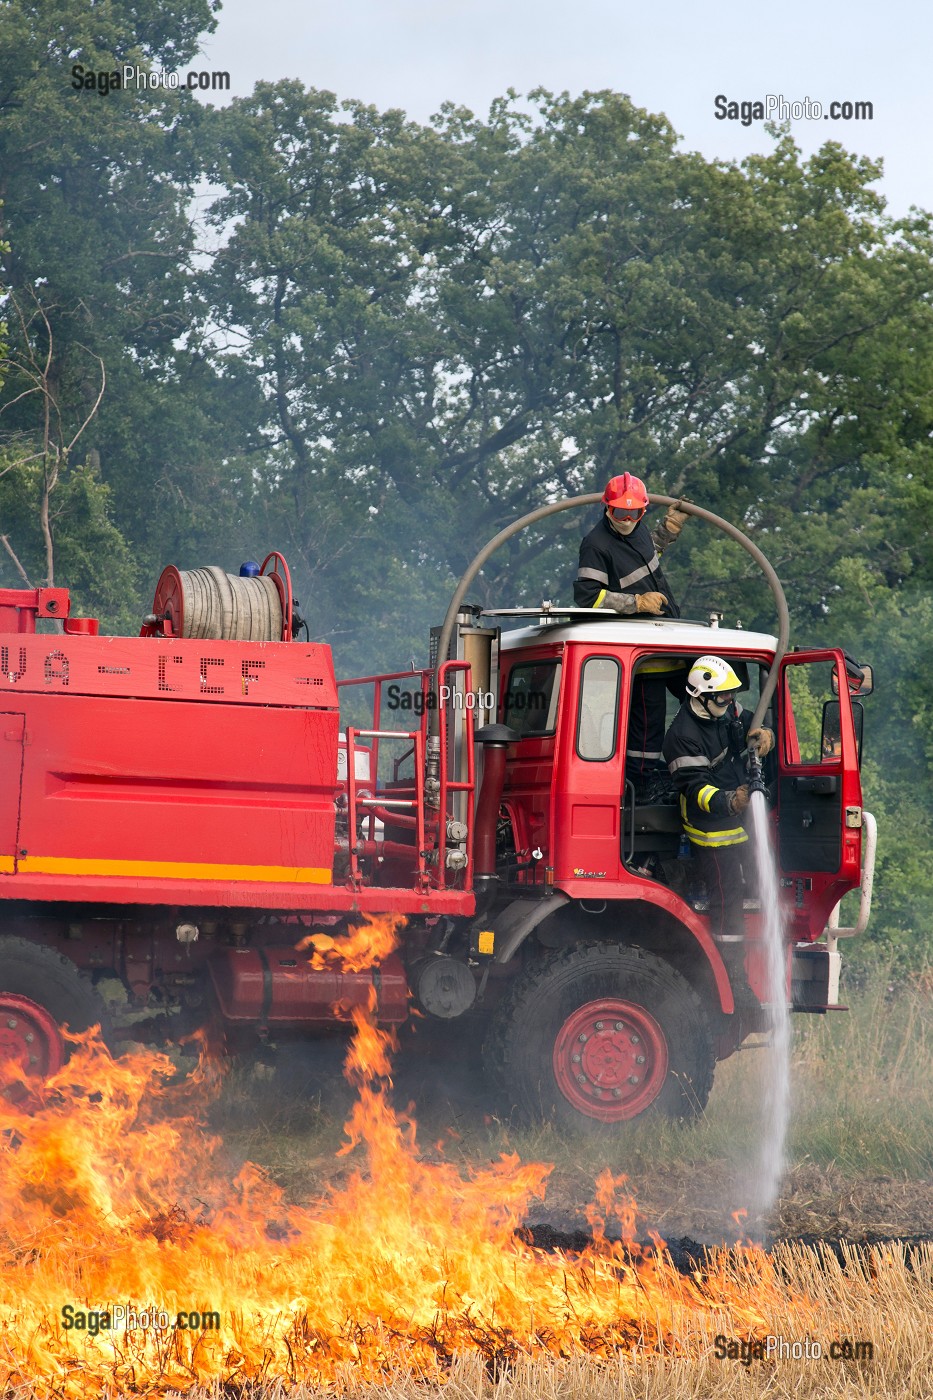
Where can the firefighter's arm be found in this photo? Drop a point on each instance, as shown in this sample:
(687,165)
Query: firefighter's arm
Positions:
(628,603)
(693,778)
(591,585)
(762,739)
(666,533)
(625,603)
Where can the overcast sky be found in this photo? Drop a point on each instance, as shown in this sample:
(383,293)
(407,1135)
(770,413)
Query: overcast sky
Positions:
(673,58)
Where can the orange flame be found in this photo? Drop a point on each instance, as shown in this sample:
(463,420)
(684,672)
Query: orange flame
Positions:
(112,1194)
(364,946)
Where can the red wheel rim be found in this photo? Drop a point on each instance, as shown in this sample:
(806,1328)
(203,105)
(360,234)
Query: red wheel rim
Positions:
(610,1060)
(29,1036)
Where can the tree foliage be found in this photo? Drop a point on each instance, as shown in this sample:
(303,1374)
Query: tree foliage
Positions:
(95,218)
(376,342)
(456,323)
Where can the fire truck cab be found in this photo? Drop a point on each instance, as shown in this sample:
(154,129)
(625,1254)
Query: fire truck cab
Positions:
(626,998)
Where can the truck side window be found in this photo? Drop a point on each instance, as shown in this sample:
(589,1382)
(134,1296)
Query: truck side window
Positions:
(598,714)
(531,700)
(807,685)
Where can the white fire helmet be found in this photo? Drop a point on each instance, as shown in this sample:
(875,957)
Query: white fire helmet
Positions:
(710,675)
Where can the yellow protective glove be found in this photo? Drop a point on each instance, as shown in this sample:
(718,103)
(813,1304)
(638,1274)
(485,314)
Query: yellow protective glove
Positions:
(653,603)
(764,738)
(674,520)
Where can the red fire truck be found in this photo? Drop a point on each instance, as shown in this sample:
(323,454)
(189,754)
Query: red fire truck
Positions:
(181,809)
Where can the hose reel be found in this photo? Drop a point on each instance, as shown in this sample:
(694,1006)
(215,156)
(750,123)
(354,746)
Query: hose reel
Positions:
(212,605)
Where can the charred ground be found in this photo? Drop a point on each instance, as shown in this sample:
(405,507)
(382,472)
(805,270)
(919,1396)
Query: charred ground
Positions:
(860,1149)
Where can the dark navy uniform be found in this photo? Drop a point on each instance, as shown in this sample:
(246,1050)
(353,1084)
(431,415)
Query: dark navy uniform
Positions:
(654,678)
(704,757)
(626,564)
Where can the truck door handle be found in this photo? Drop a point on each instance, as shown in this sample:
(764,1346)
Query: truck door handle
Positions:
(823,785)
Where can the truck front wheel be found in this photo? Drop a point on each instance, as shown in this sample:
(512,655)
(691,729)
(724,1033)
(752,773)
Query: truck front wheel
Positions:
(602,1034)
(40,990)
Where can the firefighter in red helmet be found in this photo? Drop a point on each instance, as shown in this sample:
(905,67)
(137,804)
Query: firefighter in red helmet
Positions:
(620,565)
(620,570)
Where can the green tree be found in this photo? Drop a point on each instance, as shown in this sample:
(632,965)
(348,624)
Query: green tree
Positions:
(96,191)
(407,335)
(451,325)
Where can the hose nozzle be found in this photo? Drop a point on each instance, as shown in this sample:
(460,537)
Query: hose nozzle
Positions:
(756,782)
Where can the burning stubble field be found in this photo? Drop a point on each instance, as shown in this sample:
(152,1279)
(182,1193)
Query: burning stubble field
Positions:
(444,1258)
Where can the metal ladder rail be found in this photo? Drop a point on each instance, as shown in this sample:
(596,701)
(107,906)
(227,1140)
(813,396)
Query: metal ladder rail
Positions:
(355,803)
(448,785)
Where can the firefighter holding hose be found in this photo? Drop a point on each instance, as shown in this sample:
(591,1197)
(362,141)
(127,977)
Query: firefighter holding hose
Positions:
(620,570)
(704,750)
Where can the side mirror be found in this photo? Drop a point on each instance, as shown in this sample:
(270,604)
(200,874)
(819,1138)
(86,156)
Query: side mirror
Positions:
(860,679)
(831,737)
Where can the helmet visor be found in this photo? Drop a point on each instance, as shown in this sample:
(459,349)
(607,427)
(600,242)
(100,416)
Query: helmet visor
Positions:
(722,697)
(626,515)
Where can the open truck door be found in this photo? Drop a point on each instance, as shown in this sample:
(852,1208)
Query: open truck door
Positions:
(819,796)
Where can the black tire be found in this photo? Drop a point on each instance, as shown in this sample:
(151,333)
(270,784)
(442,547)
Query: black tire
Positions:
(621,1021)
(54,985)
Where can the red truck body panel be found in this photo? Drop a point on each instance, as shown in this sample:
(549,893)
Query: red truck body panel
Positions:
(179,772)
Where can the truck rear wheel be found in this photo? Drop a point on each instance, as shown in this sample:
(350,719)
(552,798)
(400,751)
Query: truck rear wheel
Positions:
(40,990)
(600,1035)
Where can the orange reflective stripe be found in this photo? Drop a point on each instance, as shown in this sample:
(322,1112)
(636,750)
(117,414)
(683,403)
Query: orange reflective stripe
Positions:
(173,870)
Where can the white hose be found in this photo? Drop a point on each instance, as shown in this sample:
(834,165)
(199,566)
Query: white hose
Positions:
(226,607)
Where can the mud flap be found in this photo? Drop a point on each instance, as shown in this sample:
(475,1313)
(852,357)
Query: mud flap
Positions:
(815,978)
(518,919)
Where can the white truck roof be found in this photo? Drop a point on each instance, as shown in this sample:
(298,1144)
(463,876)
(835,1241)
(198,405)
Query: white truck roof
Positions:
(660,633)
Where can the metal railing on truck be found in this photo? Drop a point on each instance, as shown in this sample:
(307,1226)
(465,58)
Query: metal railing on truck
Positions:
(413,811)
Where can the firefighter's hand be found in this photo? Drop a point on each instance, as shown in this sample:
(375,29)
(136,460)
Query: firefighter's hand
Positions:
(764,738)
(674,521)
(738,800)
(653,603)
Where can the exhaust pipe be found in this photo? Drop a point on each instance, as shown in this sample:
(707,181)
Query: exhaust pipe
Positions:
(495,739)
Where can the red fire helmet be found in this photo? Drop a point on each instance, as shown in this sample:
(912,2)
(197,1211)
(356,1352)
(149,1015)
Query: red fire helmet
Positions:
(626,492)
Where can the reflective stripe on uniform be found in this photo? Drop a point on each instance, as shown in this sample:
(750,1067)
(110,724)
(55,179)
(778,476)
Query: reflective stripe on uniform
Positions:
(643,572)
(641,753)
(647,668)
(705,796)
(733,837)
(597,574)
(688,761)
